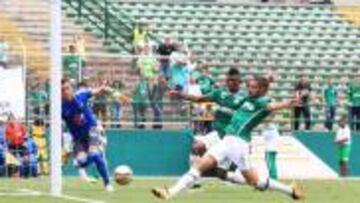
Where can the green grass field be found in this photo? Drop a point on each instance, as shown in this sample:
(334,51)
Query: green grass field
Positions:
(211,192)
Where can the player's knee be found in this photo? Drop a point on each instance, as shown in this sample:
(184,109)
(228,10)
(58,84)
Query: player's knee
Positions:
(94,150)
(198,148)
(252,182)
(81,159)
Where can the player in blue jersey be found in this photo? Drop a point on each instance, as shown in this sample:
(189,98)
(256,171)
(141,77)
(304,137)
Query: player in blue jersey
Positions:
(83,126)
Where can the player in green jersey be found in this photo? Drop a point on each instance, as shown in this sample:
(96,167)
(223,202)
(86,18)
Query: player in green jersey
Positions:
(227,99)
(235,145)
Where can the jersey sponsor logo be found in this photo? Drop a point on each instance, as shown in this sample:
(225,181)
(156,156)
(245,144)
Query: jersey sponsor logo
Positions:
(248,106)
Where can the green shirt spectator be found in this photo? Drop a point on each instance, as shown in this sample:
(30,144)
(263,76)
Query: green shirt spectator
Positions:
(330,95)
(72,63)
(140,103)
(353,93)
(148,66)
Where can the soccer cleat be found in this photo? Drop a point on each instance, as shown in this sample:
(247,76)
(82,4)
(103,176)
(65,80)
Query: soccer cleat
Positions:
(161,193)
(297,193)
(109,188)
(91,180)
(196,186)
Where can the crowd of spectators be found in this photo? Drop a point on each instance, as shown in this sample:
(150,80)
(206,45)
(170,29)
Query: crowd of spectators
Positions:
(3,53)
(23,151)
(171,66)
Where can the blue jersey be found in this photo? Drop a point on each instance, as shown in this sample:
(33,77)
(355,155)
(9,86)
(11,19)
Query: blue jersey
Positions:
(78,115)
(31,149)
(3,145)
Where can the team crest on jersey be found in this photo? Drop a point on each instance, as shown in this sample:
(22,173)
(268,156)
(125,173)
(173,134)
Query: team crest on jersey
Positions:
(248,106)
(223,95)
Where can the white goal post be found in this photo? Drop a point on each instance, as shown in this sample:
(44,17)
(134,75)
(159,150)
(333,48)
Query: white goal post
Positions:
(55,100)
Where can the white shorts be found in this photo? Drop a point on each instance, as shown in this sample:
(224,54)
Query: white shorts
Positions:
(210,140)
(232,149)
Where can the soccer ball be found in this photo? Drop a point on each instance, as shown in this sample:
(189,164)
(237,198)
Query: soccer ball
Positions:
(123,175)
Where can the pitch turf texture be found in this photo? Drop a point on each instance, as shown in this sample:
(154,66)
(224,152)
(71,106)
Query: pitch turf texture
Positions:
(211,192)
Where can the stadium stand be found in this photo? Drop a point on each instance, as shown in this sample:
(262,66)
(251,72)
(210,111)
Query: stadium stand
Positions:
(310,40)
(318,41)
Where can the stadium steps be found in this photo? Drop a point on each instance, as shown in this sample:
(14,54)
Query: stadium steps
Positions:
(295,161)
(20,43)
(32,19)
(292,40)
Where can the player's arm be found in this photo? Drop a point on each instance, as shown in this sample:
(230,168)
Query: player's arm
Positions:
(124,99)
(189,97)
(101,90)
(276,106)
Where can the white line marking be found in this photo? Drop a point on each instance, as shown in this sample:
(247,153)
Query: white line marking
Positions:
(78,199)
(27,193)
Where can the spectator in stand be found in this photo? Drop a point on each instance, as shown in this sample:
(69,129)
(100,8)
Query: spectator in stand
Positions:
(15,136)
(147,64)
(157,92)
(3,147)
(3,52)
(179,77)
(140,103)
(100,103)
(164,50)
(204,77)
(194,88)
(38,132)
(179,74)
(303,91)
(330,97)
(39,100)
(353,98)
(29,162)
(73,64)
(140,37)
(80,45)
(343,142)
(83,86)
(115,104)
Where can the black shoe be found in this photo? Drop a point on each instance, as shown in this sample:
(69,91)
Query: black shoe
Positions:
(196,186)
(157,127)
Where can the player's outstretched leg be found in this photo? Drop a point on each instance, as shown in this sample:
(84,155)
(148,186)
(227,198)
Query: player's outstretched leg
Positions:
(266,183)
(186,181)
(235,177)
(98,158)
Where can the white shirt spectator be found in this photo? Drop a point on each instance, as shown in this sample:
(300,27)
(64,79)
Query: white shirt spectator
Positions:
(343,134)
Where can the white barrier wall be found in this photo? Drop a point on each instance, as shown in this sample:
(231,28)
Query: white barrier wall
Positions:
(12,93)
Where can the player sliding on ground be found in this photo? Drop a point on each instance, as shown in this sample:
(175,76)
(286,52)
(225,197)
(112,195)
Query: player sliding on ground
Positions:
(84,128)
(235,145)
(227,99)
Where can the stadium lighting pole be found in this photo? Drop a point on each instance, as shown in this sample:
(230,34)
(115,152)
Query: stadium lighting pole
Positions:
(55,101)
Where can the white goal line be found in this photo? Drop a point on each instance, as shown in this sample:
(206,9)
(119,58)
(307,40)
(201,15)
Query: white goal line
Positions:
(34,193)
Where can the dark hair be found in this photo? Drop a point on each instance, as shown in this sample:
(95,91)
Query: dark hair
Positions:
(343,117)
(64,80)
(233,71)
(71,46)
(39,122)
(82,84)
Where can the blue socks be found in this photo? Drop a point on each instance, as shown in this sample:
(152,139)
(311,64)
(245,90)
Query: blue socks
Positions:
(100,163)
